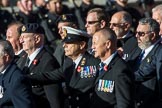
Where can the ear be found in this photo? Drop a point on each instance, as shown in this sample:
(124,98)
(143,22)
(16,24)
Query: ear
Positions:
(108,44)
(102,24)
(48,6)
(126,26)
(6,57)
(37,39)
(82,44)
(153,36)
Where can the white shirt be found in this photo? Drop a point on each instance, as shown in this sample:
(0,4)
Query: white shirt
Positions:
(78,60)
(34,54)
(147,50)
(108,60)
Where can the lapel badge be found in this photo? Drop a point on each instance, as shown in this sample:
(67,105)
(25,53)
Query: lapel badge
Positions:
(23,28)
(79,69)
(148,60)
(83,61)
(64,17)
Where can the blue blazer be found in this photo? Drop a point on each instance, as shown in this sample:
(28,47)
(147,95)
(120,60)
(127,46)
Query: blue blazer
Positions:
(17,89)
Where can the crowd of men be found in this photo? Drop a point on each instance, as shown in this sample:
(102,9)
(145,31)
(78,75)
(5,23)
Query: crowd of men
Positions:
(90,56)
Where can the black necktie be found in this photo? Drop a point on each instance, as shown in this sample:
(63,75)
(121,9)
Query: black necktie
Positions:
(27,62)
(140,57)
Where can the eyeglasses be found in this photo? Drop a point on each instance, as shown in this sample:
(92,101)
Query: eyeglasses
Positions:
(117,24)
(142,33)
(92,22)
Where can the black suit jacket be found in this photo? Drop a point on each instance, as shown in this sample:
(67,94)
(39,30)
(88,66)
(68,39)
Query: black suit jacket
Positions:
(17,89)
(130,47)
(59,53)
(79,81)
(114,87)
(45,95)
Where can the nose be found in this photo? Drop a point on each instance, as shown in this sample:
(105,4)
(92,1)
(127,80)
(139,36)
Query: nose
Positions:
(86,25)
(111,26)
(64,45)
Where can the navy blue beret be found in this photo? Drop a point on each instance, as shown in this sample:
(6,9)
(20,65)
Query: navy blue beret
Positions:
(32,28)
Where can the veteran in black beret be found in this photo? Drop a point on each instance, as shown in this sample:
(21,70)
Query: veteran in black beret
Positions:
(37,61)
(79,70)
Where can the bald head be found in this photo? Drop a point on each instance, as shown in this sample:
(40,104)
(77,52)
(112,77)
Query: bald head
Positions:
(121,23)
(104,43)
(122,17)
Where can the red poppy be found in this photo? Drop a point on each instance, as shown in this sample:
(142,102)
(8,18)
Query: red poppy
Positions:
(78,69)
(35,61)
(105,68)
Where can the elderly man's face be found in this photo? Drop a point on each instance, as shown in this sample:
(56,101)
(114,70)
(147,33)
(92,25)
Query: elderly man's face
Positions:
(117,26)
(29,42)
(72,49)
(13,36)
(144,36)
(99,45)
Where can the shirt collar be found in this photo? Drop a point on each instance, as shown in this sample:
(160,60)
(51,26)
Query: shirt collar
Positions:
(78,60)
(34,54)
(108,60)
(147,50)
(127,35)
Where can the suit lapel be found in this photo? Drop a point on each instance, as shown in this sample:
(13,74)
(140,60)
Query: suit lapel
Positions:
(36,60)
(148,58)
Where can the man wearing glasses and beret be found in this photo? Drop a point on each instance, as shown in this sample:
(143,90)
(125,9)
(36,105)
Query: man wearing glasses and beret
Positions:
(147,91)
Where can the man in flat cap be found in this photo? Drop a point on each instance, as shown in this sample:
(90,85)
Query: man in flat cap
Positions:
(79,70)
(37,61)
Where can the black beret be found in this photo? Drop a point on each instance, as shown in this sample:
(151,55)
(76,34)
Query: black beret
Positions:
(32,28)
(67,18)
(74,35)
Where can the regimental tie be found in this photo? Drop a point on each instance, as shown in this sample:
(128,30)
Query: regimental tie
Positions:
(101,67)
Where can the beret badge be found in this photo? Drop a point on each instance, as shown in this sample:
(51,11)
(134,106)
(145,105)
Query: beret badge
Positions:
(23,28)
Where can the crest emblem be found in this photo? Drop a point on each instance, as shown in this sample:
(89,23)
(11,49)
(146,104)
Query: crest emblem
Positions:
(83,61)
(23,28)
(64,17)
(148,60)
